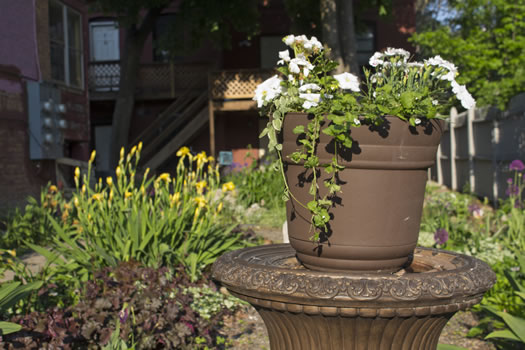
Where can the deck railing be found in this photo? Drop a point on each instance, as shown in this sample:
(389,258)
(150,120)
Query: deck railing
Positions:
(155,80)
(235,84)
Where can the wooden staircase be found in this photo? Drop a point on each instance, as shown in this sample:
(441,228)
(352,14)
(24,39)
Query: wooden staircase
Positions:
(173,128)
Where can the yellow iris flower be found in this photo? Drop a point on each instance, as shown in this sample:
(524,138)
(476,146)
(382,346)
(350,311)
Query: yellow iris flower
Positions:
(183,152)
(201,185)
(228,186)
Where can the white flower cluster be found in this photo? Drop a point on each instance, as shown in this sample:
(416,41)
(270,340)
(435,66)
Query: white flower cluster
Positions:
(267,90)
(310,99)
(299,69)
(448,73)
(377,58)
(452,70)
(466,99)
(309,46)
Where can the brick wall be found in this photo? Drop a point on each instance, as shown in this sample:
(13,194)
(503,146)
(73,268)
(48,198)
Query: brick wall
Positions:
(18,175)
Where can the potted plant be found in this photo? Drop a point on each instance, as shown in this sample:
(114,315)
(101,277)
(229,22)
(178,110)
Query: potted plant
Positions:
(354,155)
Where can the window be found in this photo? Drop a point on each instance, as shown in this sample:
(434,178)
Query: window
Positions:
(365,38)
(65,36)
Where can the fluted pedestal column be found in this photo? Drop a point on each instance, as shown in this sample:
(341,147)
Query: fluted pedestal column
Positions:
(304,309)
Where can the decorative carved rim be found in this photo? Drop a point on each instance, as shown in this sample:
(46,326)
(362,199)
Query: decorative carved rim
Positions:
(439,282)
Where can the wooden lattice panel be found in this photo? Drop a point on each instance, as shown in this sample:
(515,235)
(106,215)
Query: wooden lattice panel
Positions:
(188,75)
(155,77)
(236,84)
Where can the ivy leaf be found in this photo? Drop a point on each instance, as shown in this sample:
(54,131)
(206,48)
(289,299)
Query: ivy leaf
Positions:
(312,206)
(277,124)
(299,129)
(263,133)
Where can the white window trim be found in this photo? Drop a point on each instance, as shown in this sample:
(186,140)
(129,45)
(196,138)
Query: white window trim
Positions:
(66,47)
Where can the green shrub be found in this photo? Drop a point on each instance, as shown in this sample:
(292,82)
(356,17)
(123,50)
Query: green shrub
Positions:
(258,184)
(158,220)
(30,225)
(259,190)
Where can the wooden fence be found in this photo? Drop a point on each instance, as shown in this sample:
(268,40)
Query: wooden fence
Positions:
(478,146)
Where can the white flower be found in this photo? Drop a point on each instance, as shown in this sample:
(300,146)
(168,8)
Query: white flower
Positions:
(284,56)
(267,90)
(376,60)
(449,66)
(417,121)
(311,87)
(357,121)
(466,99)
(328,96)
(300,61)
(348,81)
(294,67)
(313,44)
(289,40)
(435,102)
(397,52)
(415,64)
(301,39)
(311,100)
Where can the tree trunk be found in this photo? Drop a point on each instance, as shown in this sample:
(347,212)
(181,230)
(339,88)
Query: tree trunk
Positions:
(329,25)
(347,36)
(129,66)
(337,20)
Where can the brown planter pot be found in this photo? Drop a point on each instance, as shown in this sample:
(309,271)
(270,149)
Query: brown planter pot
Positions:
(375,220)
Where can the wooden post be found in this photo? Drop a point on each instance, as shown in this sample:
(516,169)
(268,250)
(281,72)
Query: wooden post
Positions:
(495,156)
(453,151)
(439,166)
(471,149)
(211,115)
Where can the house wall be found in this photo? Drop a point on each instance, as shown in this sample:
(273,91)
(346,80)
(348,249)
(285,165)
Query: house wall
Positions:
(18,62)
(25,57)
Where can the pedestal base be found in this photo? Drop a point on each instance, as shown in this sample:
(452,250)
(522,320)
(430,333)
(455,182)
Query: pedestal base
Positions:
(304,309)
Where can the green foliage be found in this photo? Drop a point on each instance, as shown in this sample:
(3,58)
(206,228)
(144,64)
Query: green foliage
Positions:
(513,325)
(126,307)
(156,220)
(261,184)
(495,236)
(209,302)
(10,294)
(31,225)
(486,39)
(449,347)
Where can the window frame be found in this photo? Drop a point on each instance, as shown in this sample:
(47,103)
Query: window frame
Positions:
(66,52)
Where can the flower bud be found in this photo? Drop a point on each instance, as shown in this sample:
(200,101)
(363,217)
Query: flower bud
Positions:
(93,154)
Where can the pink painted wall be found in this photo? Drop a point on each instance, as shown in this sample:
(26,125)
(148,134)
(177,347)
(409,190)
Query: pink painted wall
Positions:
(18,46)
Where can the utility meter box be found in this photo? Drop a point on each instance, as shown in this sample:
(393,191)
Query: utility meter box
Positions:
(46,121)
